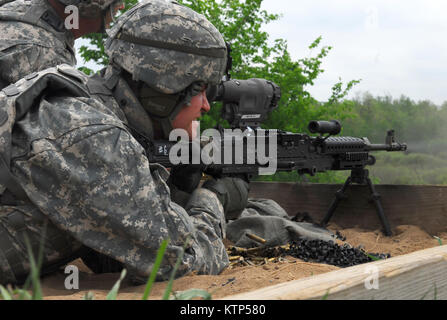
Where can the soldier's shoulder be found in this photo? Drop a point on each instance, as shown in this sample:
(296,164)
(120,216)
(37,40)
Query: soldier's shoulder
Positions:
(62,77)
(34,21)
(70,91)
(19,32)
(60,99)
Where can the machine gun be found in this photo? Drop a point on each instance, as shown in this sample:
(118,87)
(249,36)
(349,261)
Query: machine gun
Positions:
(246,104)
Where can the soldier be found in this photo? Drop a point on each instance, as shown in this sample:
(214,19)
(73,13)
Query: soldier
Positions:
(34,35)
(79,173)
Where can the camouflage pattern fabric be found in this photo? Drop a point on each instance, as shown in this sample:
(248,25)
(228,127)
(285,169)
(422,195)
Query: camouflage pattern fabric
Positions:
(18,223)
(85,172)
(167,46)
(28,43)
(268,220)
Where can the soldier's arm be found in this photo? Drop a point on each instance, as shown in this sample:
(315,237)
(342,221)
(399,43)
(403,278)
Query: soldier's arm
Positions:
(24,59)
(25,49)
(95,183)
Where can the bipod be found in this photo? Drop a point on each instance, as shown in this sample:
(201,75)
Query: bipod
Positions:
(358,176)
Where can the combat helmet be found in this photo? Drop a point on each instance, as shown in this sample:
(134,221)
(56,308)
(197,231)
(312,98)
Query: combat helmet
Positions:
(91,9)
(170,48)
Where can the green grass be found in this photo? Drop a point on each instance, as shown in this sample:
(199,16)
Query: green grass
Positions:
(439,240)
(154,271)
(33,280)
(113,294)
(435,293)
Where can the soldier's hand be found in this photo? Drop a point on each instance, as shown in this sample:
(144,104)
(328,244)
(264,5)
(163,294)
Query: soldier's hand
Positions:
(232,193)
(183,180)
(185,177)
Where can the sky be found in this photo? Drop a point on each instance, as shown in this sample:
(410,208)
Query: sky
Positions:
(395,47)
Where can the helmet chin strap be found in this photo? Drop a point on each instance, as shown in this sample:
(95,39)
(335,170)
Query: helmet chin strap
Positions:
(190,92)
(104,17)
(112,15)
(166,123)
(102,29)
(184,100)
(137,117)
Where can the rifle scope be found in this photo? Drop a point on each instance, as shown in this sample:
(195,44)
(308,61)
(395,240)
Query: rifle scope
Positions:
(246,103)
(332,127)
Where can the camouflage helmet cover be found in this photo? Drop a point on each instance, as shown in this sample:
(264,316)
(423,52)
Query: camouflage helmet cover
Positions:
(167,46)
(91,9)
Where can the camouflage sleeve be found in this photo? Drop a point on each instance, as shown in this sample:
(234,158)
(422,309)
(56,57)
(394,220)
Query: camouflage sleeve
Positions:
(23,59)
(95,183)
(25,49)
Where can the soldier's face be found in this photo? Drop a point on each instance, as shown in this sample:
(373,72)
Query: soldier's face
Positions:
(187,117)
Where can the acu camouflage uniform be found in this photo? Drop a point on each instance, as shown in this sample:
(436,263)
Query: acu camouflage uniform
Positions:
(89,181)
(75,155)
(32,38)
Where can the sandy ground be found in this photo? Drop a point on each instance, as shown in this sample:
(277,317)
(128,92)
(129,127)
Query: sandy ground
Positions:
(236,280)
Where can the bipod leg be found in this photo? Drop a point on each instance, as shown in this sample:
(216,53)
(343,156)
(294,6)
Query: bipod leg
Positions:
(339,195)
(380,212)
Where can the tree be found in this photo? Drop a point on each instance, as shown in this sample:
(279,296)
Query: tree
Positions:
(241,22)
(95,52)
(254,57)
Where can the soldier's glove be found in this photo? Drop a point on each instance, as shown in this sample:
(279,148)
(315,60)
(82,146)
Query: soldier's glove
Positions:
(183,180)
(232,193)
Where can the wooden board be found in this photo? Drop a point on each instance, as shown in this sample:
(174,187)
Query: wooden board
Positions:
(419,275)
(424,206)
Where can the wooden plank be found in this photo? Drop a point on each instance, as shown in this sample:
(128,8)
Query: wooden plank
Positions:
(414,276)
(424,206)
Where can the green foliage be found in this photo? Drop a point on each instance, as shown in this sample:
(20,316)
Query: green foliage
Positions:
(153,275)
(22,294)
(326,295)
(114,292)
(95,52)
(415,122)
(174,271)
(230,17)
(254,56)
(33,279)
(420,124)
(35,269)
(327,177)
(89,296)
(439,240)
(409,169)
(14,294)
(435,292)
(191,294)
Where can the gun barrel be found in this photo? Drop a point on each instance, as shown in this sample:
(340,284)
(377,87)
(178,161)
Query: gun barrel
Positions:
(388,147)
(390,144)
